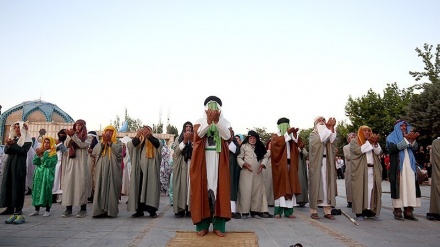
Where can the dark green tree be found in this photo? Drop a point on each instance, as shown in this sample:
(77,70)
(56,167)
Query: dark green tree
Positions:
(304,134)
(158,128)
(133,124)
(424,109)
(379,112)
(171,129)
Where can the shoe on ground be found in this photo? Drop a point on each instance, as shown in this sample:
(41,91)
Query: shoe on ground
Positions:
(153,215)
(374,218)
(349,205)
(7,211)
(266,215)
(137,215)
(19,220)
(35,213)
(67,213)
(81,214)
(256,216)
(360,218)
(46,214)
(237,216)
(11,219)
(178,215)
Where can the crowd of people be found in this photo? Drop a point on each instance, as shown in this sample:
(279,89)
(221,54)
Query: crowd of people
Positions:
(213,175)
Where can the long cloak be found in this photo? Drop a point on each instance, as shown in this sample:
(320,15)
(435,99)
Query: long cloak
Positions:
(14,175)
(108,179)
(44,175)
(180,179)
(234,170)
(303,177)
(268,180)
(147,190)
(434,205)
(359,180)
(251,192)
(316,152)
(199,183)
(285,179)
(348,188)
(76,174)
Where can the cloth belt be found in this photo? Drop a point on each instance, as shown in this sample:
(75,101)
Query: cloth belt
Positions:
(370,165)
(210,149)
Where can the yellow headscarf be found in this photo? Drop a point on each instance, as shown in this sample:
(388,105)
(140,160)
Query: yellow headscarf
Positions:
(149,148)
(53,148)
(113,140)
(361,137)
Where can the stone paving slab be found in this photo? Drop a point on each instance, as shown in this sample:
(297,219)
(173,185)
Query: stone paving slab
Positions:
(145,231)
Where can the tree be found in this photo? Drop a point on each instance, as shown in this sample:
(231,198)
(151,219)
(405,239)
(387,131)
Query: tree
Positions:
(379,112)
(172,130)
(158,128)
(342,130)
(424,108)
(304,134)
(133,124)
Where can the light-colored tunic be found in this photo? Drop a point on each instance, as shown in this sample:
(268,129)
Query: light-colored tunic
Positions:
(268,181)
(180,178)
(62,158)
(348,189)
(76,175)
(126,174)
(108,179)
(251,189)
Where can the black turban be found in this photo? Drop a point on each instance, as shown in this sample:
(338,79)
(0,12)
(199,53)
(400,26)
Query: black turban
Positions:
(283,120)
(213,98)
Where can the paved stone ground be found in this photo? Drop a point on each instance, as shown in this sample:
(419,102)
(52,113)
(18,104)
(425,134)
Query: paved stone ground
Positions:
(146,231)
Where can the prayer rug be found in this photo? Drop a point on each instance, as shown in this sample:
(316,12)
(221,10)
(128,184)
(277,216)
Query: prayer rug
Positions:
(248,239)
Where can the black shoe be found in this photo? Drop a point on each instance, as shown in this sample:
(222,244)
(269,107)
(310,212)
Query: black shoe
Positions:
(137,214)
(301,204)
(237,216)
(266,215)
(349,205)
(153,215)
(7,211)
(178,215)
(188,214)
(104,215)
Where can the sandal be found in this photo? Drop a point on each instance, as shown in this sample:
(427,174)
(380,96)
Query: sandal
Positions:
(277,216)
(315,216)
(329,216)
(291,216)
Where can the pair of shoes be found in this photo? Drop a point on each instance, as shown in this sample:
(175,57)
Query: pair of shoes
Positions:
(11,219)
(349,204)
(137,214)
(46,214)
(81,214)
(35,213)
(360,218)
(19,220)
(7,211)
(315,216)
(256,216)
(67,213)
(329,216)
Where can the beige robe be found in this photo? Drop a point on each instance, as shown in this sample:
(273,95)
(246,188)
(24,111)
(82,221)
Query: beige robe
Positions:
(316,161)
(76,174)
(348,189)
(146,191)
(359,180)
(108,180)
(434,205)
(180,180)
(303,177)
(268,181)
(251,189)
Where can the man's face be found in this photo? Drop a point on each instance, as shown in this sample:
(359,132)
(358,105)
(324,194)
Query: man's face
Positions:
(78,127)
(188,128)
(321,121)
(252,140)
(403,128)
(46,144)
(367,133)
(17,129)
(109,133)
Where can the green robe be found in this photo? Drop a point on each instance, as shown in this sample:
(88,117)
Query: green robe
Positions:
(44,176)
(359,180)
(108,180)
(145,175)
(316,151)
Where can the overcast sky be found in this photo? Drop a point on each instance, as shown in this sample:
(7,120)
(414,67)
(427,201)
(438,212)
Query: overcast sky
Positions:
(264,59)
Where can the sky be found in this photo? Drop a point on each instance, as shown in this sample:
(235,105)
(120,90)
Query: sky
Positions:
(161,59)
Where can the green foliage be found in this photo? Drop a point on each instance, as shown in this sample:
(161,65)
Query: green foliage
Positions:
(424,109)
(379,112)
(158,128)
(304,134)
(133,124)
(342,130)
(172,130)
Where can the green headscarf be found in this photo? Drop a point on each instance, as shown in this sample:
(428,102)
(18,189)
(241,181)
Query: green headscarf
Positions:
(213,131)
